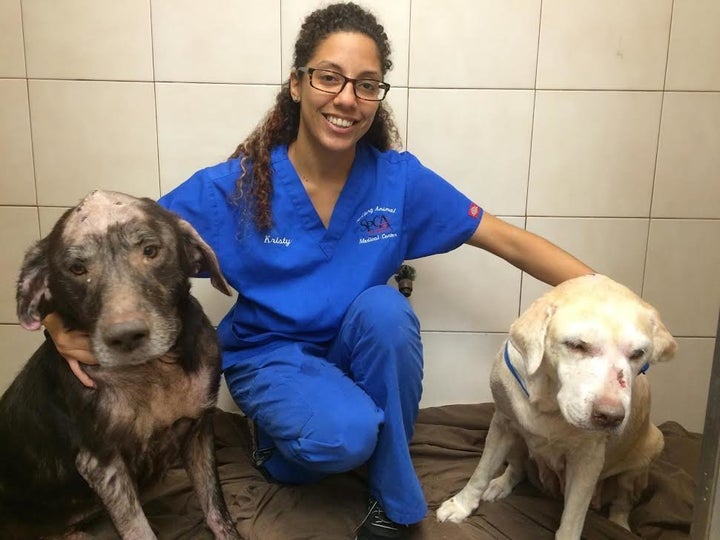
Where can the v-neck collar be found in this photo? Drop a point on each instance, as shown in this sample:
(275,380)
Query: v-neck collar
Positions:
(344,207)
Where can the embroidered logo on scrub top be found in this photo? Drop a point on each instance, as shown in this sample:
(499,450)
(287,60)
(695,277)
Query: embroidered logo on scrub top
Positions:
(376,224)
(277,240)
(474,211)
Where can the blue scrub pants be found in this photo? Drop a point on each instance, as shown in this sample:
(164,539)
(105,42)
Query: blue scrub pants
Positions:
(331,409)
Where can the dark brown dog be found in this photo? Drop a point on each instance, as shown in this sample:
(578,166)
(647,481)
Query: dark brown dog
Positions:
(117,268)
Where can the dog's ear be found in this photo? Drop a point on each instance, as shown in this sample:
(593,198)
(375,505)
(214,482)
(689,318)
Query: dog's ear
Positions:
(664,345)
(527,333)
(32,287)
(202,257)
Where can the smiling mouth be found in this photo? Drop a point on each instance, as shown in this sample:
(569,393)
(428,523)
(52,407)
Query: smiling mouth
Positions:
(339,122)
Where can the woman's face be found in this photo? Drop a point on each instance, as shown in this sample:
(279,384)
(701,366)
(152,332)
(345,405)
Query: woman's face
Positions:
(337,122)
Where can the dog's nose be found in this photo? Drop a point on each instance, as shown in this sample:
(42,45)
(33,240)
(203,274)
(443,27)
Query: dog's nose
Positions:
(607,415)
(126,336)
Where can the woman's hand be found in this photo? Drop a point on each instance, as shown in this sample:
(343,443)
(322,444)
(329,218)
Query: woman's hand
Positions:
(73,345)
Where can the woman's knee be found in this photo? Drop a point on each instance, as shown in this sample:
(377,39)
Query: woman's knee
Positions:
(385,311)
(379,344)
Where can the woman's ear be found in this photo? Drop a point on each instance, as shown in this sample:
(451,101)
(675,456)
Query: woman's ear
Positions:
(295,86)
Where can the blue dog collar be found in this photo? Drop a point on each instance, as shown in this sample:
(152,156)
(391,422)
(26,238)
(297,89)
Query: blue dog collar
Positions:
(512,369)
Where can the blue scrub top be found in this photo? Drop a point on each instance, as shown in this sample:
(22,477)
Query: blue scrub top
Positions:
(297,280)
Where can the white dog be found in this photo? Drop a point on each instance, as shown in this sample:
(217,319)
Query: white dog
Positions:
(571,395)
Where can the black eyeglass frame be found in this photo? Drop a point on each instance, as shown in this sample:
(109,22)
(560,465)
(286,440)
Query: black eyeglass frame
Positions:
(309,71)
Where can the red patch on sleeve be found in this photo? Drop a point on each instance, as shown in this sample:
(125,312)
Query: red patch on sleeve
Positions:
(474,211)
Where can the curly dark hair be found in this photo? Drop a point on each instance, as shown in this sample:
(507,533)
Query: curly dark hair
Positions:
(280,126)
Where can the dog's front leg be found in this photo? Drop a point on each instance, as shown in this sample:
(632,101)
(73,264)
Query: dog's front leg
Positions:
(111,481)
(582,470)
(503,485)
(500,440)
(199,458)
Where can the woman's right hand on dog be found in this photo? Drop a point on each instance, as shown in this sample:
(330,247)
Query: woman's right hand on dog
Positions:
(73,345)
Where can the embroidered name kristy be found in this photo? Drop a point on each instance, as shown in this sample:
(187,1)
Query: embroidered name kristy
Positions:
(277,240)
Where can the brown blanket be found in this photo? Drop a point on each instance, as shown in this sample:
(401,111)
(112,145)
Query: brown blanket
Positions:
(446,448)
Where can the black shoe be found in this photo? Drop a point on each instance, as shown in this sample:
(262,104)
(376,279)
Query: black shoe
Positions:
(377,526)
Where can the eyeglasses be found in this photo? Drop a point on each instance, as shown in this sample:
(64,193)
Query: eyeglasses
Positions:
(333,82)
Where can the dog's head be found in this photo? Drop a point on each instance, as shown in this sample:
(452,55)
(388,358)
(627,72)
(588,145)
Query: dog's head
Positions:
(116,267)
(593,336)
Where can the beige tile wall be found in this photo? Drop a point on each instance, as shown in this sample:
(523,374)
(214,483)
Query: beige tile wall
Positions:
(594,124)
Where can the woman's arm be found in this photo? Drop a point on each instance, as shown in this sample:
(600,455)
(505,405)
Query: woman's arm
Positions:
(527,251)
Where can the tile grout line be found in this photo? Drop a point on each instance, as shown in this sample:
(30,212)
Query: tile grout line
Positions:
(657,153)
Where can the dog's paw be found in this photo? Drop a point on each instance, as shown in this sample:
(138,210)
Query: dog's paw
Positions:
(453,510)
(498,488)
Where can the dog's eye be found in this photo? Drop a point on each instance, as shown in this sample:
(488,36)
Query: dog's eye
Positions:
(151,251)
(637,354)
(78,268)
(577,346)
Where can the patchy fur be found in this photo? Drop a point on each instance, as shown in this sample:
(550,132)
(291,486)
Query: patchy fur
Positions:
(117,268)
